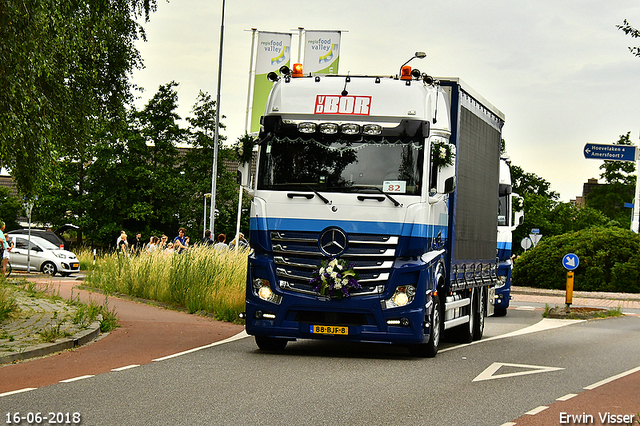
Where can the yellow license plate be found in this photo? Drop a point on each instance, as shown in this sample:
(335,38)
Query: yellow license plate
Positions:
(75,265)
(330,329)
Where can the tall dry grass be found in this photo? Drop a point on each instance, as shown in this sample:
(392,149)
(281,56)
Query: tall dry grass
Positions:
(200,279)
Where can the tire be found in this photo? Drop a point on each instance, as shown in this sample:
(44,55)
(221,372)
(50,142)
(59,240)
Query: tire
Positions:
(49,268)
(479,313)
(430,349)
(464,333)
(270,343)
(499,312)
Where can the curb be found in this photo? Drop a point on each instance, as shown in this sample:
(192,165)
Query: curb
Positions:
(531,291)
(79,339)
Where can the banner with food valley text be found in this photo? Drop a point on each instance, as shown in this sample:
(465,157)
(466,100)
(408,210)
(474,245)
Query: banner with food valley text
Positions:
(321,52)
(273,51)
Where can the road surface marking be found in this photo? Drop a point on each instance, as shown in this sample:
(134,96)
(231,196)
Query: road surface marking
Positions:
(17,391)
(77,378)
(612,378)
(536,410)
(567,397)
(238,336)
(489,372)
(126,367)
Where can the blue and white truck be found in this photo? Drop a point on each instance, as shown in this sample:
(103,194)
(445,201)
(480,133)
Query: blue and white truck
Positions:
(509,217)
(374,211)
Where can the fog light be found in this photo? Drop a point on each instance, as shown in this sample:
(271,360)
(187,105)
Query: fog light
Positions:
(404,322)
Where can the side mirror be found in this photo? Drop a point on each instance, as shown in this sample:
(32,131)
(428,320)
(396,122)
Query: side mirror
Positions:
(450,185)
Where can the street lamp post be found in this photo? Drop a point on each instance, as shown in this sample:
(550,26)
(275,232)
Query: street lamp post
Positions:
(28,207)
(216,136)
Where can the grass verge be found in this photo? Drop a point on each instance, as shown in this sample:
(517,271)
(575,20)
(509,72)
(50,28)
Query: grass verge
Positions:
(201,279)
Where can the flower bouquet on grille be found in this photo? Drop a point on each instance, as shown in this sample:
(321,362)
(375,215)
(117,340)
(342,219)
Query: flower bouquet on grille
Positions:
(335,278)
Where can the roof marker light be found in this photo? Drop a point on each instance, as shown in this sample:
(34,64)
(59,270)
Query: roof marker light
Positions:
(297,70)
(406,73)
(329,128)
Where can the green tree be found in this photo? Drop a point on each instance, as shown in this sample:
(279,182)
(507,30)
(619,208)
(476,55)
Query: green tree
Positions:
(629,30)
(200,157)
(10,208)
(64,69)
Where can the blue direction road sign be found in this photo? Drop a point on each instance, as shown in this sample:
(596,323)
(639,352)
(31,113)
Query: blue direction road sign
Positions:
(610,152)
(570,261)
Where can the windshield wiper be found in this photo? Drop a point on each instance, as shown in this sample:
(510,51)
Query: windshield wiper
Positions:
(375,188)
(326,201)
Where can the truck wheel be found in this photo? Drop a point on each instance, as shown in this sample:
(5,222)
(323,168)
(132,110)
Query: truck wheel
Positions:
(464,333)
(478,312)
(499,312)
(430,349)
(270,344)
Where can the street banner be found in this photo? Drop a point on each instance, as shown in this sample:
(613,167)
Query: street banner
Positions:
(273,51)
(321,52)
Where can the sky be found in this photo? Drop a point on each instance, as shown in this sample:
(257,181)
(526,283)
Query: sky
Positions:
(560,71)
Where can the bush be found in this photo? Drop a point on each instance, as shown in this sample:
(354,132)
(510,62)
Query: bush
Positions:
(609,261)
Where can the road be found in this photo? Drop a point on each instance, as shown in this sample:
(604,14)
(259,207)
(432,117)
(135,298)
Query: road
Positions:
(491,382)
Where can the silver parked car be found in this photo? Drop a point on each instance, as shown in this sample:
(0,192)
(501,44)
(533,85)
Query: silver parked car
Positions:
(44,256)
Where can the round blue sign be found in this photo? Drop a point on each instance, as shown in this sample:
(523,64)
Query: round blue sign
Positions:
(570,261)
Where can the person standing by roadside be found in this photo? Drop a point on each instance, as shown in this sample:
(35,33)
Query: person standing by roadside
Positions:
(221,244)
(123,245)
(239,242)
(180,242)
(136,244)
(207,241)
(163,242)
(118,240)
(6,248)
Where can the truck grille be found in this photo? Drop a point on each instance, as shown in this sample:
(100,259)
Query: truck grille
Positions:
(297,255)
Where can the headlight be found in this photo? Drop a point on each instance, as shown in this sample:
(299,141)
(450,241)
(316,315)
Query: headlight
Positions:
(60,255)
(402,297)
(502,280)
(262,289)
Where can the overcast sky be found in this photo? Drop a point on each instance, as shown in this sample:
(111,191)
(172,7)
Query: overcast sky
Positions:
(560,71)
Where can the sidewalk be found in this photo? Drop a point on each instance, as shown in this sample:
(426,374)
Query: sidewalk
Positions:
(44,326)
(580,298)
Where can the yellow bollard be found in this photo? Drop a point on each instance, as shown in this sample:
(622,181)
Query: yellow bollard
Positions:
(569,299)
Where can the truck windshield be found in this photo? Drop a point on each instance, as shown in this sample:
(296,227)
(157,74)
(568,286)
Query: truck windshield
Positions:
(338,165)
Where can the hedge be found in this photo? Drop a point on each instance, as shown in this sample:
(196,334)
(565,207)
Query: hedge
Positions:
(609,261)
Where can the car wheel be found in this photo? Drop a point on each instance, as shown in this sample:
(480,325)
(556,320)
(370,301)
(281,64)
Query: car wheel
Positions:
(49,268)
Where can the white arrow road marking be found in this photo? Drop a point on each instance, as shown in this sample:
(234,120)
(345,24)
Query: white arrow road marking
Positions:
(489,372)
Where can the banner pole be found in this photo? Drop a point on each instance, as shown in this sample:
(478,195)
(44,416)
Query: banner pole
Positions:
(300,30)
(249,86)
